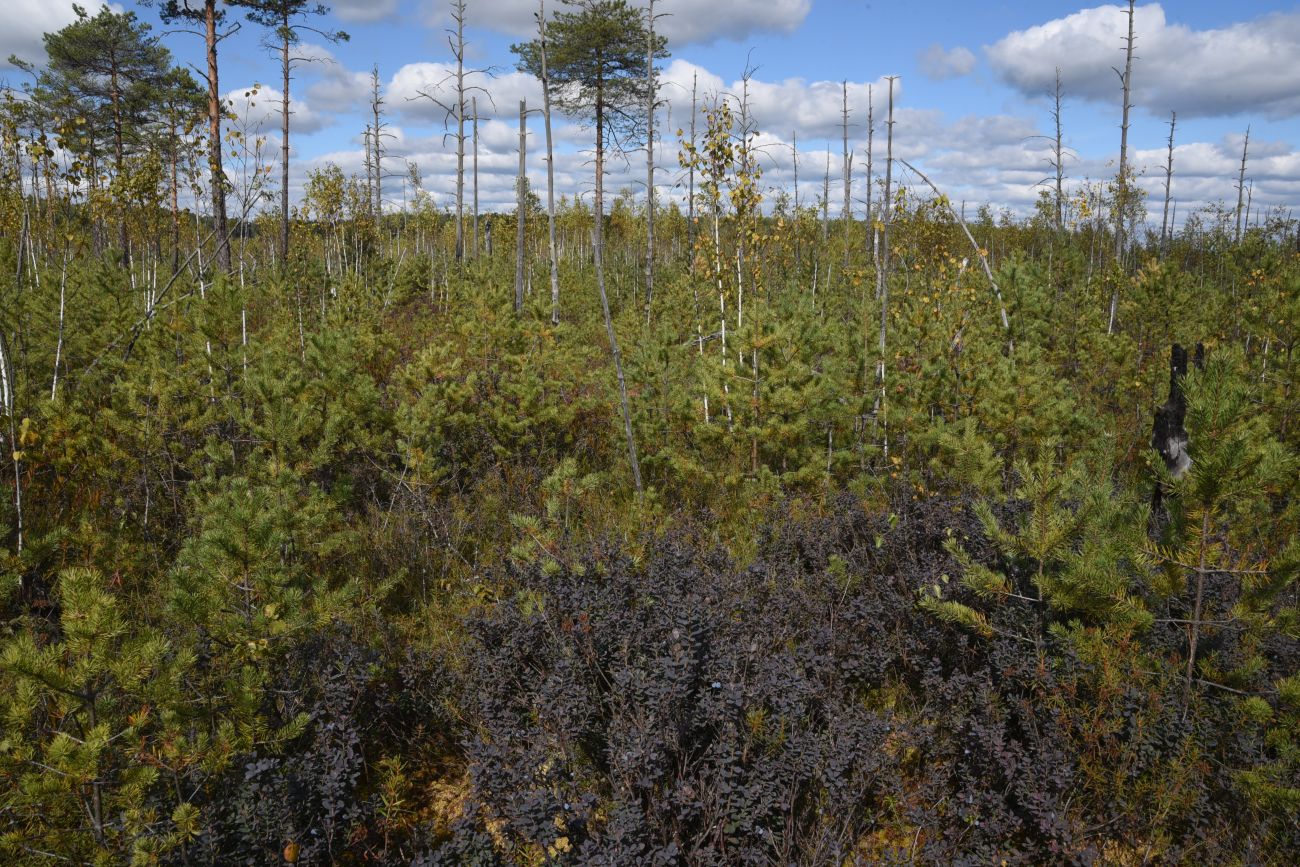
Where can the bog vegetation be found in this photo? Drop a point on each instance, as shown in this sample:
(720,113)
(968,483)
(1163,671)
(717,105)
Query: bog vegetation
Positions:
(727,532)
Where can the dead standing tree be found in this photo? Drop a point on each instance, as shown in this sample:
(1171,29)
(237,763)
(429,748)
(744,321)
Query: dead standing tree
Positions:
(1169,183)
(1122,185)
(7,406)
(871,134)
(473,101)
(1241,181)
(882,266)
(1059,154)
(652,103)
(284,18)
(544,76)
(521,206)
(847,213)
(456,110)
(375,150)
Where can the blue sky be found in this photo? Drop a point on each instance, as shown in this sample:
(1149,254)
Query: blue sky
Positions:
(973,77)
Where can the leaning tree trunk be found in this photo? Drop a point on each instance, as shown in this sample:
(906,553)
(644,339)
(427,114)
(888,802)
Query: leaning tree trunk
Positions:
(598,243)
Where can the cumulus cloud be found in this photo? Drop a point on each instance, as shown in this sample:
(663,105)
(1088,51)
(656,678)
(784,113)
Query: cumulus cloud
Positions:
(24,22)
(999,159)
(336,88)
(940,64)
(685,22)
(499,96)
(812,107)
(1243,68)
(364,11)
(258,107)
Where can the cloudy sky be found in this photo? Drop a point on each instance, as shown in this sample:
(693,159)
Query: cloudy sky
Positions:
(972,105)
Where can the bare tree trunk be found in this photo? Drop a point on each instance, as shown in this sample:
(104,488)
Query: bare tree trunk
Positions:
(8,405)
(458,15)
(58,345)
(794,157)
(984,260)
(882,267)
(651,96)
(1241,180)
(218,175)
(376,103)
(521,207)
(550,168)
(175,195)
(690,174)
(826,198)
(1195,629)
(871,181)
(1121,192)
(285,36)
(598,243)
(474,226)
(847,213)
(1058,162)
(1169,183)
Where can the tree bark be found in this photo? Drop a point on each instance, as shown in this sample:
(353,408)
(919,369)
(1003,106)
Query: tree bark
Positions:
(690,176)
(598,243)
(651,94)
(285,35)
(217,174)
(521,207)
(1059,163)
(882,266)
(847,213)
(459,15)
(1121,192)
(1241,181)
(550,168)
(474,132)
(1169,184)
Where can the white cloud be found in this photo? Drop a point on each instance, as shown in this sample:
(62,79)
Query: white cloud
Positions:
(498,97)
(814,108)
(258,108)
(685,22)
(997,159)
(364,11)
(940,64)
(24,22)
(336,88)
(1243,68)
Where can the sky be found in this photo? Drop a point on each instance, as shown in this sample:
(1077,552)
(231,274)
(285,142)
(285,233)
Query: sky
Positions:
(972,106)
